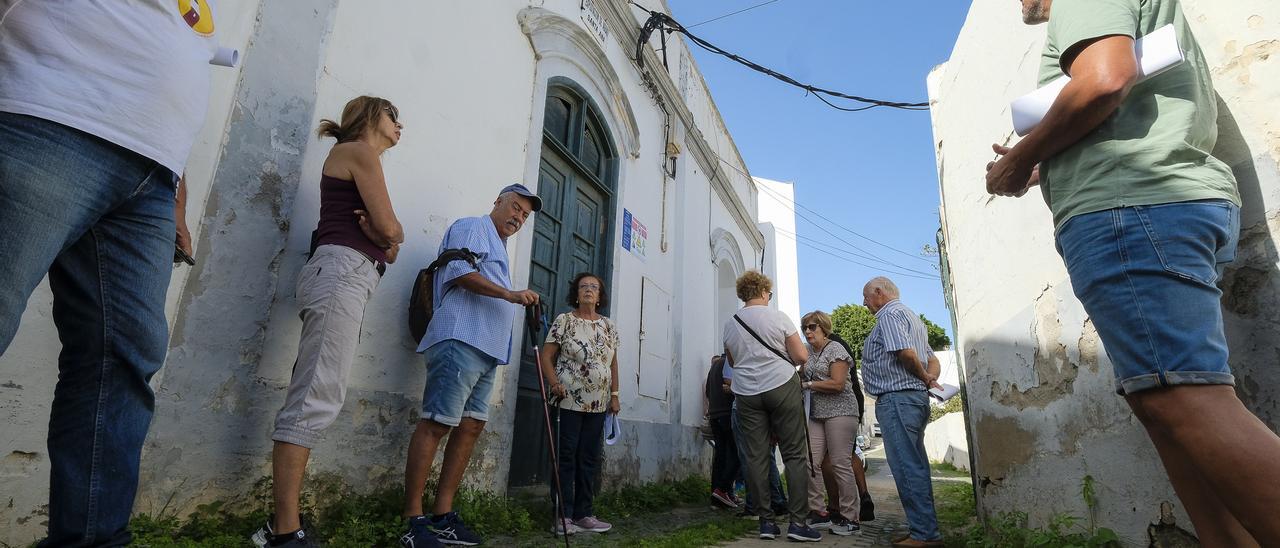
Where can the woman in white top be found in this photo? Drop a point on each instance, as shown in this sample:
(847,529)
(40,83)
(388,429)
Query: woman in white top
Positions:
(764,348)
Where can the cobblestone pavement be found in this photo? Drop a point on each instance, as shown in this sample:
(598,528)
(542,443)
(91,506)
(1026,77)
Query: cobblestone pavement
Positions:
(890,521)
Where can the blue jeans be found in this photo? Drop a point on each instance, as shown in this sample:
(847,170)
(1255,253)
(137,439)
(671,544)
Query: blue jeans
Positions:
(459,381)
(99,220)
(903,416)
(776,497)
(578,449)
(1147,276)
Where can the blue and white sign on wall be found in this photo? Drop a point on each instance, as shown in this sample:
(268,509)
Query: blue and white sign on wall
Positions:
(635,236)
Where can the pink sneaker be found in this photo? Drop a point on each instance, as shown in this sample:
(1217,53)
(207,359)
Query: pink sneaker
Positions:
(560,526)
(593,524)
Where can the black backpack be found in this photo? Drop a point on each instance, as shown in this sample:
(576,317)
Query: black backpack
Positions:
(420,301)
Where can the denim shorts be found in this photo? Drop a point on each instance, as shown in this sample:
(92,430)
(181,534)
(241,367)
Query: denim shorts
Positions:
(1147,278)
(459,382)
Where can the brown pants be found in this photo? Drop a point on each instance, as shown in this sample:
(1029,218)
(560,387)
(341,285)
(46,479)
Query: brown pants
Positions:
(834,438)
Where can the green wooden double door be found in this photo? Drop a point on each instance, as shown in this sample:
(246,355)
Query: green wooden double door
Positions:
(572,234)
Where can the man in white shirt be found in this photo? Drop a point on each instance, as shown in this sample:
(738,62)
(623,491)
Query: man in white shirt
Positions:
(99,106)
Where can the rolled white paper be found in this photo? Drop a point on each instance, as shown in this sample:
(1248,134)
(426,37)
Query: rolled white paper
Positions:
(225,57)
(1156,52)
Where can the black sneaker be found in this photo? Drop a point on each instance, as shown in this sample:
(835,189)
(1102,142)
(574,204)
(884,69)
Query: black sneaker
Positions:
(803,533)
(868,510)
(449,529)
(296,539)
(769,530)
(420,534)
(263,535)
(843,527)
(819,520)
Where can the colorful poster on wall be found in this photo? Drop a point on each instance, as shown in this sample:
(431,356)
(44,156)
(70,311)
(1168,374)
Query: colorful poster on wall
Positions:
(635,237)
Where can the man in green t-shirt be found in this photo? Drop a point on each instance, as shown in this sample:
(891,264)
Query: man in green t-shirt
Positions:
(1145,220)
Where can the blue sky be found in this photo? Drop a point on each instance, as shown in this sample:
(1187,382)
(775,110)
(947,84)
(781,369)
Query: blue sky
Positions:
(872,172)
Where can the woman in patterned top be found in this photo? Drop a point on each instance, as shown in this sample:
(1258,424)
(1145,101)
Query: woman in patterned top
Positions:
(580,360)
(833,422)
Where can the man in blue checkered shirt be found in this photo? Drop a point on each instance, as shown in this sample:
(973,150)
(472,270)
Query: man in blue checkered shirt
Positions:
(468,337)
(898,368)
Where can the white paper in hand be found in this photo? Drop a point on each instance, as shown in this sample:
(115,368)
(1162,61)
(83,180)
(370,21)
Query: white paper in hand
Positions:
(947,392)
(1156,53)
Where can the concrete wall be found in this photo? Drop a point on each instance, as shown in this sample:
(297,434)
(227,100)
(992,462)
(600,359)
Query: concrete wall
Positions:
(470,79)
(945,441)
(1042,406)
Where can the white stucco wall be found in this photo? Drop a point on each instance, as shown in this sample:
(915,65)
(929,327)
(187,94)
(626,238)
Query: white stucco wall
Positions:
(470,80)
(776,208)
(1041,398)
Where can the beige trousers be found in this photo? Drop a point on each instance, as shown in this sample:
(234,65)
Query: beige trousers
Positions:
(834,438)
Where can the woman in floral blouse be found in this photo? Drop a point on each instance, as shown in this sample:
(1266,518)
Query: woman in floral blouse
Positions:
(580,360)
(833,423)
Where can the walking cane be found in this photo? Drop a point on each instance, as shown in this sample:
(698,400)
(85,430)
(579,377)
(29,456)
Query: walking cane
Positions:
(533,321)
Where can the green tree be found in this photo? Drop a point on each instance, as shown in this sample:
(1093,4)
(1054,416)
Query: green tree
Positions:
(938,338)
(853,322)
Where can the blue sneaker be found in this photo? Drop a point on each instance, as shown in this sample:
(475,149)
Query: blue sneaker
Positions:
(420,534)
(449,529)
(769,530)
(803,533)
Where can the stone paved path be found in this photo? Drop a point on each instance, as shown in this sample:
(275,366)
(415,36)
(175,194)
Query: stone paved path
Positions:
(890,521)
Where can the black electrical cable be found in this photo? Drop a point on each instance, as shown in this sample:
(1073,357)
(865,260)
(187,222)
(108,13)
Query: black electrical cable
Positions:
(664,22)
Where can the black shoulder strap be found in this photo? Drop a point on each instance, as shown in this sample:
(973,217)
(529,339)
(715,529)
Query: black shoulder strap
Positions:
(450,255)
(766,345)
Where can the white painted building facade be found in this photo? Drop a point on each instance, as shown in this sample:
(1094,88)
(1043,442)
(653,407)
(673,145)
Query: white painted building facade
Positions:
(474,82)
(777,213)
(1042,409)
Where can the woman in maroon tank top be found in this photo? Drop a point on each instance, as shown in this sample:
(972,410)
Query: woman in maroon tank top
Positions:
(357,236)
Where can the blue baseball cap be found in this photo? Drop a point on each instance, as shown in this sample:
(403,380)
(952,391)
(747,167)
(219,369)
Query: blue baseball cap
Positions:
(521,190)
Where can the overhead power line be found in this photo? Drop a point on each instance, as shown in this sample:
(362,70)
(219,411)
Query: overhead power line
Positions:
(842,254)
(791,205)
(850,230)
(714,19)
(659,21)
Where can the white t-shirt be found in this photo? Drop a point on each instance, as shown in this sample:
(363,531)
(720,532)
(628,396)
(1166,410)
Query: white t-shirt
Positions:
(757,369)
(135,72)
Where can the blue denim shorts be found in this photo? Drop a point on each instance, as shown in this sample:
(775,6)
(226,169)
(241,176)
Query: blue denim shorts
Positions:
(1147,277)
(459,382)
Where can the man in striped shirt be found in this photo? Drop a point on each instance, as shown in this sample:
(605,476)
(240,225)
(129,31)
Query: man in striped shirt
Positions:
(898,368)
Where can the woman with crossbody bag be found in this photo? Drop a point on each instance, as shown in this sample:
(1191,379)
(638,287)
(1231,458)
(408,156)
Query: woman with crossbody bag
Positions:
(767,390)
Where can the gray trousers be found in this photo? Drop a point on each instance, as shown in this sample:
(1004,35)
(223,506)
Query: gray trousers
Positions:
(332,290)
(778,412)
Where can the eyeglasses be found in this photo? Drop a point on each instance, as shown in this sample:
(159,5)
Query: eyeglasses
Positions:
(811,327)
(591,286)
(391,113)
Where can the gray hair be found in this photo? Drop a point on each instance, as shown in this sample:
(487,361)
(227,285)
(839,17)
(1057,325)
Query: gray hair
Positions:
(885,285)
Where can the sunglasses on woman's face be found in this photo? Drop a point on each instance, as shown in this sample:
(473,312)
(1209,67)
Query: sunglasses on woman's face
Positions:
(811,327)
